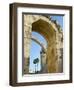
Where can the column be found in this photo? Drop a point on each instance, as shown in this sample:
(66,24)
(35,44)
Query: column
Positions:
(43,62)
(27,42)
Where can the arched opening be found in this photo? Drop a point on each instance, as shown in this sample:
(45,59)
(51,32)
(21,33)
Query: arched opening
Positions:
(38,43)
(48,32)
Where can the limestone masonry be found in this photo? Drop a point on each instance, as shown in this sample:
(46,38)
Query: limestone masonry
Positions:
(51,56)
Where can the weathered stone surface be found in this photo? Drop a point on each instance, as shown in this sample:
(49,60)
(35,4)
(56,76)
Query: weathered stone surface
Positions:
(50,32)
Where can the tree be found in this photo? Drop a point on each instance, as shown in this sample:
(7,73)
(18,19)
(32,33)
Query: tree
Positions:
(36,61)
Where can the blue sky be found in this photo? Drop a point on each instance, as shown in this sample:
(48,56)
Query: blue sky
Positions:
(35,48)
(59,19)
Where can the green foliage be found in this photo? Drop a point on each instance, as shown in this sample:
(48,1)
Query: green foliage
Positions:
(36,61)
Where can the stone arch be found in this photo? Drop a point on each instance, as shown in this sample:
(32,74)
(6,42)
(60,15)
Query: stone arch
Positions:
(49,30)
(38,42)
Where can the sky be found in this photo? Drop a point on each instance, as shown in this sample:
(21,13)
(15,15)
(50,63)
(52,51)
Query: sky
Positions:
(59,19)
(35,48)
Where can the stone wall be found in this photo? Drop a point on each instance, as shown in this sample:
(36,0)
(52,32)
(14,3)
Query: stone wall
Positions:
(50,31)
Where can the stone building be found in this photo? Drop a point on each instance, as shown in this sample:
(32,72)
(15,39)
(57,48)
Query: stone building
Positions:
(52,33)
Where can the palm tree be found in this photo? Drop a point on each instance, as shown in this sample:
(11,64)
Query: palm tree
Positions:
(36,61)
